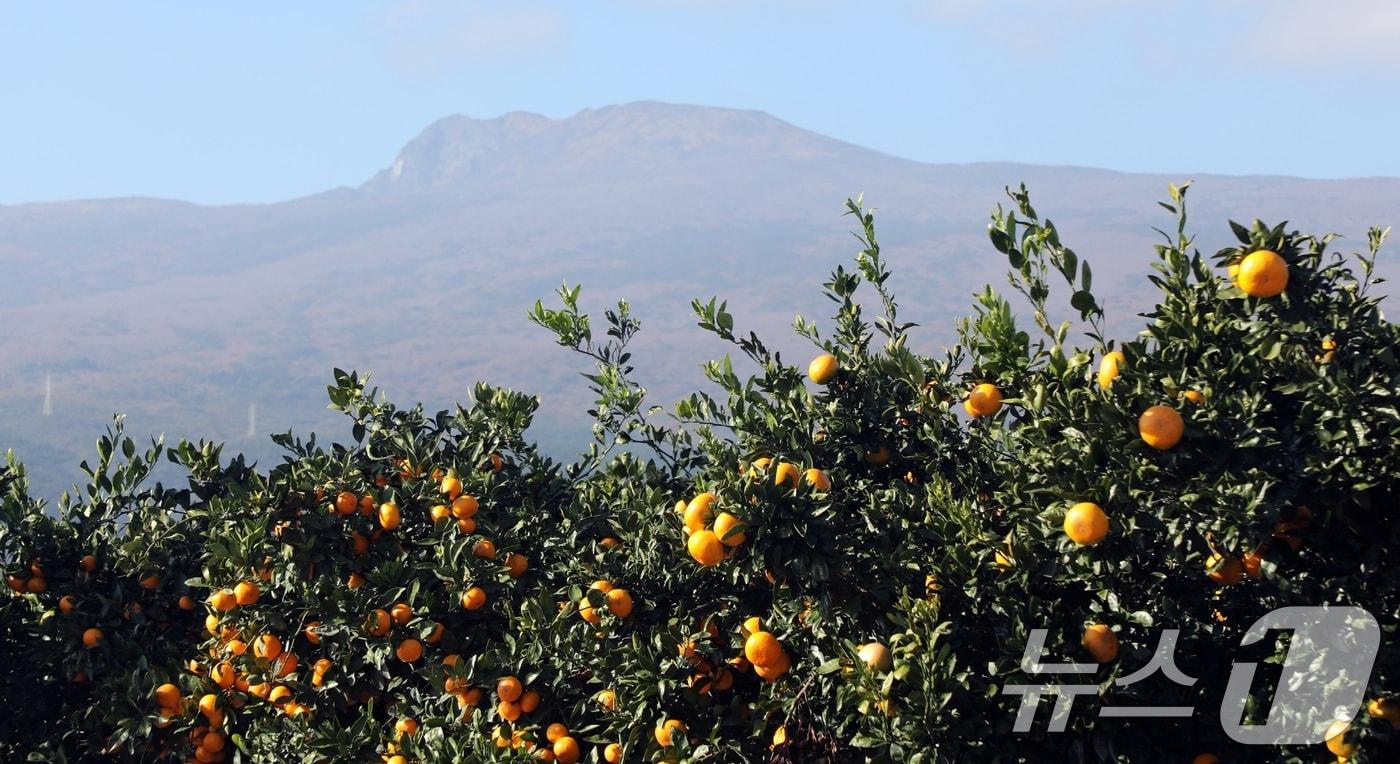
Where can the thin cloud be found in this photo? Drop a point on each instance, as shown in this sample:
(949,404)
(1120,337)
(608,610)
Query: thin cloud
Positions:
(430,37)
(1295,35)
(1305,34)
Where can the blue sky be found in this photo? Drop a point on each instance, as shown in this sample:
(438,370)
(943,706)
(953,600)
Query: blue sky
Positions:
(259,101)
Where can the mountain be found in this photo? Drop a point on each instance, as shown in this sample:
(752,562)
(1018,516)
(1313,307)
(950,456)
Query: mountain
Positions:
(185,316)
(614,143)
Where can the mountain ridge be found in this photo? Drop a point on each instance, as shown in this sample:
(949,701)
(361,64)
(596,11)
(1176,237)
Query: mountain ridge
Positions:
(640,111)
(458,149)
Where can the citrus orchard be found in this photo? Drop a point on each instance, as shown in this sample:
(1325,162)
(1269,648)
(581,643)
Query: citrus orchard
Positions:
(831,563)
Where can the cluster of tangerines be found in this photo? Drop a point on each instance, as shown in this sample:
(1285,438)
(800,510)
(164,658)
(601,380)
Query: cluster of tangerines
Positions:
(709,546)
(268,658)
(455,684)
(458,507)
(380,622)
(209,743)
(242,593)
(516,700)
(271,661)
(34,581)
(769,658)
(762,651)
(404,726)
(711,538)
(617,600)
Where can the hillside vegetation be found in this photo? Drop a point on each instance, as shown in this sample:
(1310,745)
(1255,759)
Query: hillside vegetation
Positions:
(836,560)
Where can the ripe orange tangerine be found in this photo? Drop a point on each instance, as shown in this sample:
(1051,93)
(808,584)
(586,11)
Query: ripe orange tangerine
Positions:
(729,529)
(378,622)
(168,695)
(1109,367)
(223,600)
(984,400)
(345,503)
(774,671)
(409,650)
(389,516)
(267,646)
(566,750)
(509,689)
(823,368)
(451,486)
(246,593)
(666,732)
(223,675)
(464,507)
(607,699)
(762,648)
(1086,523)
(699,512)
(1263,274)
(484,549)
(705,547)
(875,656)
(474,598)
(1101,642)
(620,603)
(1161,427)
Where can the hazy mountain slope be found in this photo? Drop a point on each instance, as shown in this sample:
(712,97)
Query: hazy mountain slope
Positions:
(183,316)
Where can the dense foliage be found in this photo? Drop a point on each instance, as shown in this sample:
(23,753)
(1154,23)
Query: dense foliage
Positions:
(841,562)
